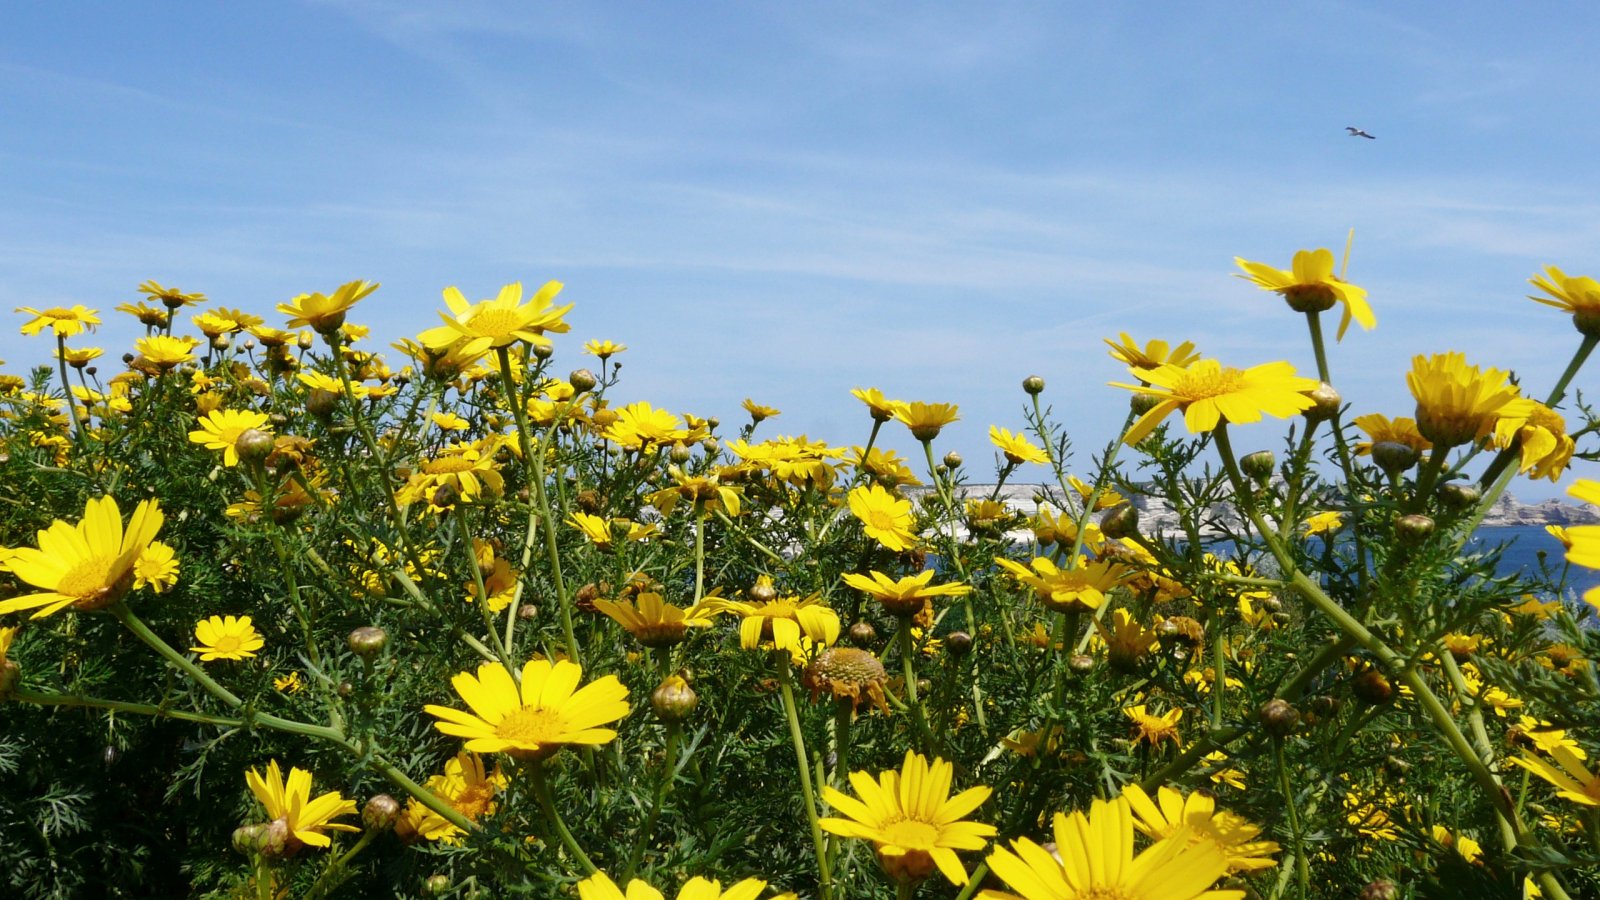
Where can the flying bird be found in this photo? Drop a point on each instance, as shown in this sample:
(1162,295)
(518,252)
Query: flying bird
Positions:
(1356,132)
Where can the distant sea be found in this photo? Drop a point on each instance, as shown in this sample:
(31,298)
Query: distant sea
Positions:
(1525,544)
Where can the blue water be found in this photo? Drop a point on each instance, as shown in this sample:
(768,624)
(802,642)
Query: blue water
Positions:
(1523,554)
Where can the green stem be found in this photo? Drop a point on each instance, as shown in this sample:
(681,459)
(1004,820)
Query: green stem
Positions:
(663,787)
(142,631)
(1301,868)
(909,676)
(541,790)
(785,678)
(38,698)
(333,875)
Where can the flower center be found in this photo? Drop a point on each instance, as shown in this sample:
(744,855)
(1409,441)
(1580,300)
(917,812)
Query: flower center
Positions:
(227,643)
(1203,384)
(87,578)
(448,465)
(494,323)
(475,801)
(881,519)
(912,834)
(532,726)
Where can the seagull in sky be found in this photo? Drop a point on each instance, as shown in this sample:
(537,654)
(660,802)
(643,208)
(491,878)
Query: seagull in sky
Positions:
(1356,132)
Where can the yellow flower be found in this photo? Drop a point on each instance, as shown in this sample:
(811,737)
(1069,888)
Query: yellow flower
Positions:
(468,470)
(884,517)
(886,466)
(1107,499)
(78,357)
(220,430)
(1458,403)
(911,819)
(156,568)
(908,595)
(466,786)
(757,411)
(291,803)
(1094,860)
(1153,355)
(1128,642)
(1573,781)
(1311,286)
(448,421)
(1209,392)
(322,313)
(1197,819)
(1540,435)
(171,298)
(1322,523)
(653,622)
(784,621)
(548,712)
(150,316)
(1153,729)
(603,349)
(1081,588)
(1584,547)
(882,408)
(705,494)
(164,352)
(1579,296)
(1468,849)
(65,322)
(1380,429)
(86,566)
(926,419)
(291,683)
(1016,447)
(226,638)
(499,322)
(599,886)
(639,426)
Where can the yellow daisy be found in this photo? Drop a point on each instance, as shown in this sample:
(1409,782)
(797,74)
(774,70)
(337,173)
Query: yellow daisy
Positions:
(86,566)
(1081,588)
(1209,392)
(926,419)
(63,321)
(603,349)
(653,622)
(882,408)
(785,621)
(1094,860)
(906,596)
(164,352)
(1016,447)
(1540,436)
(1381,429)
(1577,295)
(1458,403)
(221,429)
(322,313)
(1153,729)
(1197,818)
(226,638)
(911,819)
(291,804)
(599,886)
(469,789)
(548,712)
(499,322)
(884,517)
(1572,779)
(1153,355)
(170,297)
(1311,286)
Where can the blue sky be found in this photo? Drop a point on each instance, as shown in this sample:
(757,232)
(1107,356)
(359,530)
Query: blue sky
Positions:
(785,201)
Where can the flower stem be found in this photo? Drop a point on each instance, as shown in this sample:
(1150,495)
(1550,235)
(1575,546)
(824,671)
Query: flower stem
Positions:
(1300,865)
(785,679)
(541,790)
(909,673)
(663,787)
(142,631)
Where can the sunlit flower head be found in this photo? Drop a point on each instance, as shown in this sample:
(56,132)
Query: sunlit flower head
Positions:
(325,314)
(230,637)
(886,466)
(652,621)
(885,517)
(599,886)
(221,429)
(911,819)
(170,297)
(905,596)
(467,786)
(1152,355)
(306,819)
(782,620)
(1196,817)
(1578,295)
(642,426)
(703,494)
(1458,403)
(847,673)
(1081,588)
(759,413)
(88,565)
(1573,781)
(603,349)
(499,322)
(63,321)
(1540,436)
(164,352)
(882,408)
(926,420)
(547,712)
(1016,448)
(1093,859)
(466,472)
(1311,286)
(1381,429)
(1152,729)
(155,568)
(1208,393)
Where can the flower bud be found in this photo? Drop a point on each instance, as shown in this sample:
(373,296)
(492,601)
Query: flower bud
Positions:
(1326,402)
(959,643)
(673,700)
(1372,687)
(1143,403)
(345,689)
(1380,890)
(1414,528)
(253,445)
(544,351)
(1121,521)
(582,380)
(1394,457)
(10,674)
(679,453)
(952,460)
(1033,384)
(1080,663)
(1459,495)
(1278,717)
(589,501)
(762,592)
(436,886)
(1258,466)
(367,641)
(380,812)
(247,839)
(862,634)
(1587,322)
(321,403)
(1180,631)
(444,497)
